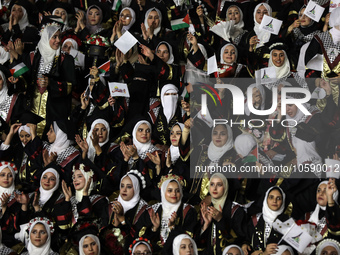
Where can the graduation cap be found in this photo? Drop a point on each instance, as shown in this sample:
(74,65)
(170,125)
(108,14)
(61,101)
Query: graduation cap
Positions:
(66,6)
(29,117)
(84,226)
(51,20)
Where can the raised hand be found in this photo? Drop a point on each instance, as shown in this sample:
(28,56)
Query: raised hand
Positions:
(246,249)
(4,201)
(172,220)
(66,190)
(125,152)
(168,159)
(84,101)
(19,46)
(155,220)
(205,216)
(215,214)
(330,190)
(146,51)
(111,100)
(48,158)
(87,186)
(36,206)
(82,145)
(271,249)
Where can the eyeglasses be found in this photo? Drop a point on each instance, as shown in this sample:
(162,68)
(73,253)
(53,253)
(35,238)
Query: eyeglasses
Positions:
(143,253)
(125,16)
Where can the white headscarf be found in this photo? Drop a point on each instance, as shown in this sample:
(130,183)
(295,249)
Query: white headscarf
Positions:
(174,150)
(222,52)
(220,201)
(244,143)
(325,243)
(23,22)
(127,205)
(66,19)
(269,215)
(4,91)
(81,242)
(169,102)
(237,28)
(74,43)
(61,142)
(132,21)
(45,195)
(263,95)
(282,71)
(4,55)
(282,248)
(315,215)
(226,249)
(11,189)
(171,58)
(43,250)
(47,53)
(91,153)
(141,147)
(26,129)
(214,152)
(169,208)
(157,29)
(176,245)
(87,175)
(138,243)
(334,23)
(262,35)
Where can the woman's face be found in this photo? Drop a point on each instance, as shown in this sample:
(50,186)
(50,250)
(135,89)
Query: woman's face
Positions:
(17,11)
(78,180)
(274,200)
(55,40)
(261,11)
(172,193)
(291,110)
(38,235)
(234,14)
(48,181)
(278,57)
(220,135)
(229,54)
(216,188)
(142,248)
(90,247)
(186,247)
(234,251)
(61,13)
(25,137)
(51,135)
(321,196)
(93,16)
(67,47)
(143,133)
(305,20)
(126,189)
(329,250)
(163,52)
(6,178)
(257,98)
(153,19)
(125,17)
(101,131)
(175,135)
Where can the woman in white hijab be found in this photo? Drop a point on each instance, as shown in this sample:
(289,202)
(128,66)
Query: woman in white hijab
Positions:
(89,244)
(171,214)
(228,66)
(52,75)
(221,216)
(261,234)
(7,184)
(234,250)
(84,202)
(102,129)
(19,26)
(164,52)
(184,245)
(261,36)
(328,246)
(152,22)
(39,240)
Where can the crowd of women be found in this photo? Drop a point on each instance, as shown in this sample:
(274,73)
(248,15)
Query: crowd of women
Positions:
(83,171)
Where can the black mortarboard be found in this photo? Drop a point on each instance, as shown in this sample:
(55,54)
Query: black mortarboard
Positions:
(29,117)
(66,6)
(51,19)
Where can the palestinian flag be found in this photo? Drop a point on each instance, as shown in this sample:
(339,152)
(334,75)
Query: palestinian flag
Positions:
(18,70)
(179,19)
(116,5)
(104,67)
